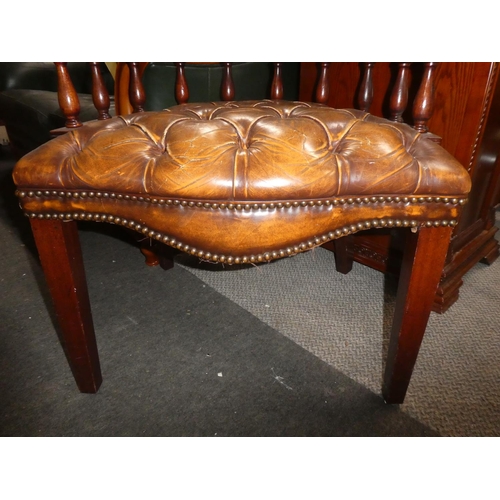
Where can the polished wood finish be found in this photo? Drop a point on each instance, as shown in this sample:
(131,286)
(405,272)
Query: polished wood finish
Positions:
(424,101)
(100,95)
(322,92)
(365,97)
(136,90)
(466,117)
(418,282)
(277,84)
(157,254)
(68,98)
(399,96)
(181,86)
(61,258)
(227,86)
(123,106)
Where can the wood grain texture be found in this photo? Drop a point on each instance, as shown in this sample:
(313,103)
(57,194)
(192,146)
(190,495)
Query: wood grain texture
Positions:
(61,258)
(67,96)
(417,286)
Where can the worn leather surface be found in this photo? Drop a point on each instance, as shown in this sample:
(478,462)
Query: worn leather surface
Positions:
(245,178)
(246,151)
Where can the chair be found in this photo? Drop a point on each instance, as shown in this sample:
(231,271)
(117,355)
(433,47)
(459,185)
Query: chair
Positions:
(244,182)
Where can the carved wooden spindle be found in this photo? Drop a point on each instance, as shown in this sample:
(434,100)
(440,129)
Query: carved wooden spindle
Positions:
(424,101)
(323,87)
(227,87)
(277,85)
(399,96)
(67,96)
(365,96)
(181,86)
(100,94)
(137,95)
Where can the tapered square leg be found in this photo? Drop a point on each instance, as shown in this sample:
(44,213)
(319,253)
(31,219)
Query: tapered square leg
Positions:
(343,254)
(61,258)
(423,262)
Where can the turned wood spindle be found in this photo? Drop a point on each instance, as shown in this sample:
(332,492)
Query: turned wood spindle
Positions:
(67,96)
(100,95)
(137,95)
(323,87)
(181,86)
(399,96)
(277,85)
(227,86)
(365,96)
(424,101)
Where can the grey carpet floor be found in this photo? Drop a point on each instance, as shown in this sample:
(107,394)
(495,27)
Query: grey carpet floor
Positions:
(286,349)
(345,321)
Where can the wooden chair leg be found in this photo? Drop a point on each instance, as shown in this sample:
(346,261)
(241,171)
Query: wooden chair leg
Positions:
(343,257)
(157,254)
(61,258)
(423,262)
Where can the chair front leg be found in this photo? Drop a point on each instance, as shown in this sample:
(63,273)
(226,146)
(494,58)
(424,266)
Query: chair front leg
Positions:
(61,258)
(423,262)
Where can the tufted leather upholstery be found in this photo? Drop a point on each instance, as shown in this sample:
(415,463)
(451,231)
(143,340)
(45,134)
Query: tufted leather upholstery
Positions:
(245,181)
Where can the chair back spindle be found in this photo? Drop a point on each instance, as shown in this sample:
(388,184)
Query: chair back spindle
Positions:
(67,96)
(227,87)
(365,96)
(100,95)
(423,105)
(181,86)
(399,95)
(323,86)
(137,95)
(277,84)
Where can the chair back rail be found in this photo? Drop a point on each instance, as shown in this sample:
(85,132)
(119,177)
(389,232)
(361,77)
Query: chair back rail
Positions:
(421,111)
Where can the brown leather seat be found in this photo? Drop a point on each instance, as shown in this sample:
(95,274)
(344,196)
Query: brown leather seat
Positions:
(246,181)
(239,182)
